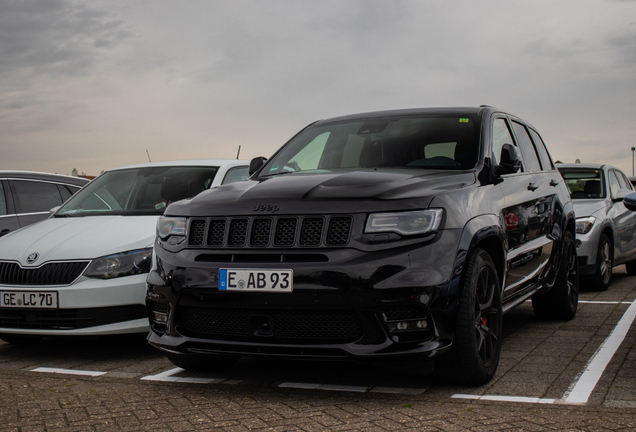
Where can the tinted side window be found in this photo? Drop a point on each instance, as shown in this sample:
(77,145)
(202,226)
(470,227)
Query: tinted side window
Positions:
(34,196)
(544,156)
(64,192)
(3,201)
(613,184)
(500,135)
(527,148)
(236,174)
(627,182)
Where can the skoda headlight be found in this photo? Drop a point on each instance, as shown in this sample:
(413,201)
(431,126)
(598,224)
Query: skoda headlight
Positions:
(121,264)
(584,225)
(171,226)
(405,223)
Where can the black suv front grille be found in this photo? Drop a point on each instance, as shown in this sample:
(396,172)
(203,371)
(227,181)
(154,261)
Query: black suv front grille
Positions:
(275,231)
(309,327)
(58,273)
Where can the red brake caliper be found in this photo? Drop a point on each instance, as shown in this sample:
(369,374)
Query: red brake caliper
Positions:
(484,320)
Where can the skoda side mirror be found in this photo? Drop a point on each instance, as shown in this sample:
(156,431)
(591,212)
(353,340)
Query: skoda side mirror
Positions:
(630,201)
(256,164)
(510,160)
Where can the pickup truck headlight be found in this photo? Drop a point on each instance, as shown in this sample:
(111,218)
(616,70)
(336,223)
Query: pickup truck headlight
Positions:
(584,225)
(121,264)
(405,223)
(171,226)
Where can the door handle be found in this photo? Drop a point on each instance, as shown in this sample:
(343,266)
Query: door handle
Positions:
(553,182)
(532,187)
(5,231)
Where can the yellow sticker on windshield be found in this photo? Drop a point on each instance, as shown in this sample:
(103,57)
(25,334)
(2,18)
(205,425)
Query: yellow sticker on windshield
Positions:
(463,120)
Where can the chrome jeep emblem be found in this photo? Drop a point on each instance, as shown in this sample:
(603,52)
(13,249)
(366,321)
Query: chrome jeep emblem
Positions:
(33,258)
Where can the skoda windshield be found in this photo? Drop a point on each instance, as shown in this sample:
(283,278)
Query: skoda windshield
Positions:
(396,142)
(138,191)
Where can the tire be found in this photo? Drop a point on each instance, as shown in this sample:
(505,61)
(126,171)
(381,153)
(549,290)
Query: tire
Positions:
(562,301)
(474,355)
(631,268)
(202,362)
(604,263)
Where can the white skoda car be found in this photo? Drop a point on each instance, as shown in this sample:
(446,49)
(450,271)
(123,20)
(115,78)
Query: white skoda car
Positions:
(83,270)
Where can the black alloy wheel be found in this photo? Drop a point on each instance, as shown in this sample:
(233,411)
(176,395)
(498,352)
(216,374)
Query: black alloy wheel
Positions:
(474,356)
(562,301)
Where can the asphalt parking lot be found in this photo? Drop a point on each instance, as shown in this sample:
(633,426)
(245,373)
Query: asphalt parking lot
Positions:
(577,376)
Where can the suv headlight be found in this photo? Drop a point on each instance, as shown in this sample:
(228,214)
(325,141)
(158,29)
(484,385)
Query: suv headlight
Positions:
(171,226)
(121,264)
(584,225)
(405,223)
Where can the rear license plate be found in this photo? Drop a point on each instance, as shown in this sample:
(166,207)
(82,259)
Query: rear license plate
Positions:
(28,299)
(255,280)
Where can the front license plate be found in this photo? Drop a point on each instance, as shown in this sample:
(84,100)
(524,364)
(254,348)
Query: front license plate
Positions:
(28,299)
(255,280)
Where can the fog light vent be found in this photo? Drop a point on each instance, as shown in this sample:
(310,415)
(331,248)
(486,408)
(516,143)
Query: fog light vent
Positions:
(159,318)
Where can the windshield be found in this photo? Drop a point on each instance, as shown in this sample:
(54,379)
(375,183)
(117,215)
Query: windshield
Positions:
(420,142)
(584,183)
(138,191)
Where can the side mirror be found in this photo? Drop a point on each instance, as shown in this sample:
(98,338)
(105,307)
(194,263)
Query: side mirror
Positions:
(256,164)
(630,201)
(510,162)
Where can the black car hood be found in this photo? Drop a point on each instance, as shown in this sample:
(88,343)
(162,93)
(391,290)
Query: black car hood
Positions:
(342,192)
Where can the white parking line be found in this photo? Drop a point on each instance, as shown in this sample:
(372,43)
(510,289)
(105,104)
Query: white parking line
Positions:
(67,371)
(582,388)
(168,376)
(597,364)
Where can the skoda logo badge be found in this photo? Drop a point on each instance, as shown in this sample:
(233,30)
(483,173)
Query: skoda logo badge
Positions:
(33,258)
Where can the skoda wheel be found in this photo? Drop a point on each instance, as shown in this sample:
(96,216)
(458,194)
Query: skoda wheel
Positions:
(474,356)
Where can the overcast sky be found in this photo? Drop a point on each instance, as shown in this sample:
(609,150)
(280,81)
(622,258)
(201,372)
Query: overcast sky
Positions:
(93,85)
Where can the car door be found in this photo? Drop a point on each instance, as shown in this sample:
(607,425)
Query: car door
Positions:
(34,199)
(623,220)
(8,218)
(526,213)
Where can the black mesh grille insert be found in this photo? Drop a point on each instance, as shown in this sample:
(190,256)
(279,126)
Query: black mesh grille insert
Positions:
(272,231)
(197,228)
(311,232)
(63,273)
(216,232)
(285,231)
(338,232)
(260,232)
(238,232)
(306,326)
(67,319)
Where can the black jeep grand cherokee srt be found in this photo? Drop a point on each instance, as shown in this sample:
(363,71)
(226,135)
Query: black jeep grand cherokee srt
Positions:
(396,237)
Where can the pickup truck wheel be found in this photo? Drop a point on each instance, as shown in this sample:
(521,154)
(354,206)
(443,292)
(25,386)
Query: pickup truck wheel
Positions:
(562,301)
(202,362)
(474,356)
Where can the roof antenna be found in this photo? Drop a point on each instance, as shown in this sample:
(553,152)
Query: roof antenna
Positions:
(239,152)
(148,155)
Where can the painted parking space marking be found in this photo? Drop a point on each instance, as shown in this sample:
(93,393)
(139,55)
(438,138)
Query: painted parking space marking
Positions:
(505,398)
(582,388)
(67,371)
(169,376)
(597,364)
